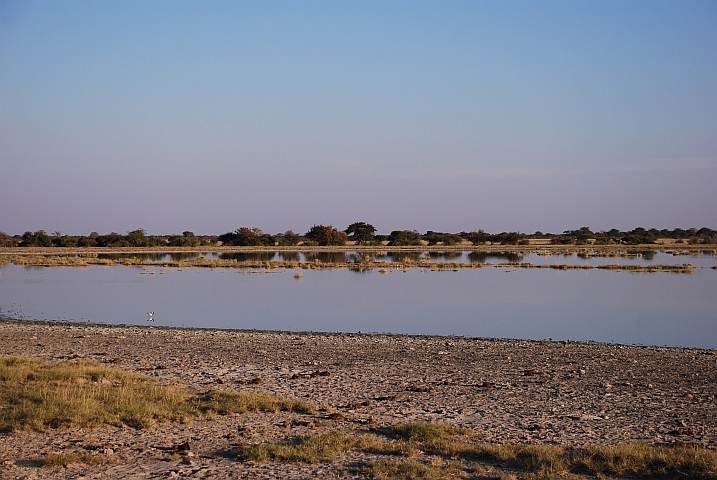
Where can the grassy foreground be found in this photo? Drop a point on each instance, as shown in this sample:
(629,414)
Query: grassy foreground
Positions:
(38,395)
(441,451)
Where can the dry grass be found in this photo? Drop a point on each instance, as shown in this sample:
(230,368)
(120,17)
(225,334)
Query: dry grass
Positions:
(425,432)
(225,402)
(638,459)
(65,459)
(38,395)
(414,470)
(436,448)
(317,449)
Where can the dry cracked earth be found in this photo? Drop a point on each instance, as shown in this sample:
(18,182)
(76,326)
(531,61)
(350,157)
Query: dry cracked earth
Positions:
(565,393)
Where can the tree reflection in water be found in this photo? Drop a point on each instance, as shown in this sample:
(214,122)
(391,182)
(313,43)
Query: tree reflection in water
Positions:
(248,256)
(290,256)
(484,257)
(325,257)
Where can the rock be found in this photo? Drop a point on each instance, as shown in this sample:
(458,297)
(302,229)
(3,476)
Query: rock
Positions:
(182,447)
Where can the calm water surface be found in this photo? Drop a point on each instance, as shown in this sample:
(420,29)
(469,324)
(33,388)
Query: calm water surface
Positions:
(653,309)
(647,257)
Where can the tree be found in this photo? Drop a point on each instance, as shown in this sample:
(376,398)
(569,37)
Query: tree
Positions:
(6,240)
(434,238)
(638,236)
(113,239)
(326,235)
(65,241)
(37,239)
(288,238)
(87,241)
(478,238)
(187,239)
(137,238)
(401,238)
(247,237)
(362,233)
(574,237)
(507,238)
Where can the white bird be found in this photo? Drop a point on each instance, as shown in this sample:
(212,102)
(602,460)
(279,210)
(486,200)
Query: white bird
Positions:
(150,319)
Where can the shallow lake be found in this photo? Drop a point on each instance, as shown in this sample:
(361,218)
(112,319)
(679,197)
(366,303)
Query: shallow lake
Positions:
(607,306)
(645,257)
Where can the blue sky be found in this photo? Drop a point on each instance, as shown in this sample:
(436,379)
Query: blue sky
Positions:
(448,116)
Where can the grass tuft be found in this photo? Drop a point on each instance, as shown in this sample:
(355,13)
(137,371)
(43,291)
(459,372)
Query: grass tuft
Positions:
(225,402)
(413,470)
(316,449)
(65,459)
(638,459)
(37,395)
(444,443)
(423,432)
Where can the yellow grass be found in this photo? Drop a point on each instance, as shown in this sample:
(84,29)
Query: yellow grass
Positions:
(413,470)
(38,395)
(65,459)
(436,447)
(316,449)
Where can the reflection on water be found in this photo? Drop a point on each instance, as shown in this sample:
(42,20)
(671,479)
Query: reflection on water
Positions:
(153,257)
(449,256)
(325,257)
(404,256)
(485,257)
(290,256)
(696,257)
(249,256)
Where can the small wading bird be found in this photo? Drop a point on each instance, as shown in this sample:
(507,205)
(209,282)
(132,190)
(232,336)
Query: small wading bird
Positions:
(151,314)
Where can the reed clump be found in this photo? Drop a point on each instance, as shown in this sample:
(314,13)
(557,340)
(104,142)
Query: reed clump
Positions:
(38,395)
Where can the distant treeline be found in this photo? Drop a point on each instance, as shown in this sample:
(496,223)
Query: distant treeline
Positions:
(359,233)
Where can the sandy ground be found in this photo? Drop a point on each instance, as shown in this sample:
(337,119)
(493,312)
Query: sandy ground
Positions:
(564,393)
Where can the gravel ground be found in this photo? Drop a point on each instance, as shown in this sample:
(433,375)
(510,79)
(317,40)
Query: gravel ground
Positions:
(563,393)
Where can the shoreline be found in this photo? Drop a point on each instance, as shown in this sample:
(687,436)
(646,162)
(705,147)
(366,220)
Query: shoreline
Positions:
(564,393)
(60,323)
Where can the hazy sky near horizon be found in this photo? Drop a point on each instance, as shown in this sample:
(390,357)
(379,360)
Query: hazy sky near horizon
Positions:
(447,116)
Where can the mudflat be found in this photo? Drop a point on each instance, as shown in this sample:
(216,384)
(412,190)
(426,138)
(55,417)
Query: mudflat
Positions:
(537,392)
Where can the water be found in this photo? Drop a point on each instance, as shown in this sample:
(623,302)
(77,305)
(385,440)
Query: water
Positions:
(651,309)
(646,257)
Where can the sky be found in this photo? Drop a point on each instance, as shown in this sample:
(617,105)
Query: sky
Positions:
(427,115)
